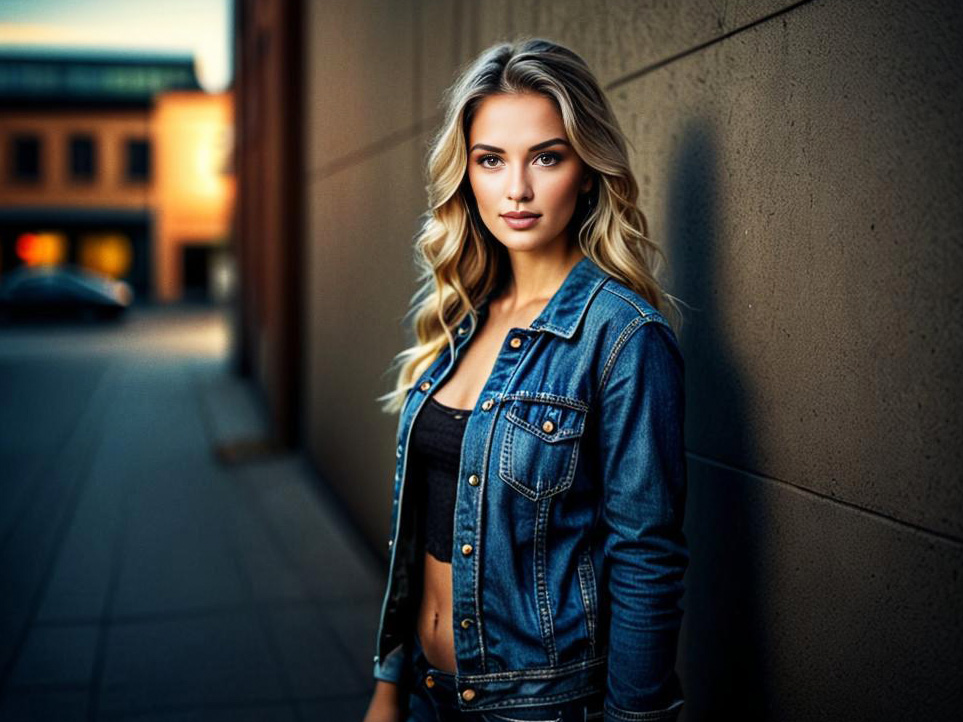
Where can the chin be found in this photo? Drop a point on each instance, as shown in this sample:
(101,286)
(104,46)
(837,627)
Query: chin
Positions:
(521,242)
(527,240)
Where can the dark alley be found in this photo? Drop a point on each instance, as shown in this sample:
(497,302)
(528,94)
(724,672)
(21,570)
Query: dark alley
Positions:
(142,578)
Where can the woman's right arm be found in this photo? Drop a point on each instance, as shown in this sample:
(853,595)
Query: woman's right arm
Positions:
(387,672)
(384,703)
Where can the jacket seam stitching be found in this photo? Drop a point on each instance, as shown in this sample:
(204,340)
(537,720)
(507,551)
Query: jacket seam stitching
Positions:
(519,703)
(654,313)
(541,585)
(586,580)
(538,673)
(670,712)
(619,344)
(569,402)
(486,472)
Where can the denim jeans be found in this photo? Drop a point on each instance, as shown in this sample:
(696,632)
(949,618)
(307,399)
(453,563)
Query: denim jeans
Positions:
(433,699)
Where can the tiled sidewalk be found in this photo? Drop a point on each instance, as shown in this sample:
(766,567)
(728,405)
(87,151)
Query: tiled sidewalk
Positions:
(173,587)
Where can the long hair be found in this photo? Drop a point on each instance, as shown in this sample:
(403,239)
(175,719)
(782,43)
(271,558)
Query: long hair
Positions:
(459,260)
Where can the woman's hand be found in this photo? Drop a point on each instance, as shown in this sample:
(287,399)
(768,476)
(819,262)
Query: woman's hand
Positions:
(384,703)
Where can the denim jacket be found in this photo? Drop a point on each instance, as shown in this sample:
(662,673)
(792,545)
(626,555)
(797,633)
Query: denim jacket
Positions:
(568,553)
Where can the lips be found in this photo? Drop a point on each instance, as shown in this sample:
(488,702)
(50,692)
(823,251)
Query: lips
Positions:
(520,220)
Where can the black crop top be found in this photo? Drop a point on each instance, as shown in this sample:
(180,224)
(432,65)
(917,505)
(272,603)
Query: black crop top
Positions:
(436,455)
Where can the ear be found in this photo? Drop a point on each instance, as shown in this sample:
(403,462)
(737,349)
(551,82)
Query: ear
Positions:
(587,182)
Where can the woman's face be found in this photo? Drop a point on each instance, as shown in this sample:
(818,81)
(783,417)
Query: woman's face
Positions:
(520,160)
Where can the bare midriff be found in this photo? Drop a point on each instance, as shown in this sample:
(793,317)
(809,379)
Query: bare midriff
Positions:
(434,624)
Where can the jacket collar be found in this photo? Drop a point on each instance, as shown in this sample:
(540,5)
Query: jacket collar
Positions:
(565,309)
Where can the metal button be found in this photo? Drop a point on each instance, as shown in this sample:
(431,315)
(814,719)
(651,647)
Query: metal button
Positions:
(548,427)
(462,330)
(487,404)
(466,549)
(474,480)
(390,542)
(515,342)
(425,385)
(466,623)
(429,681)
(468,695)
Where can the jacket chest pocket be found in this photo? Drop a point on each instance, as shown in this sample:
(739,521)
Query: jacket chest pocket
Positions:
(539,449)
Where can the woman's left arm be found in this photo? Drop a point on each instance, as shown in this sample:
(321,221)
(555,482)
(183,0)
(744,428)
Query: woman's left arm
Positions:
(643,467)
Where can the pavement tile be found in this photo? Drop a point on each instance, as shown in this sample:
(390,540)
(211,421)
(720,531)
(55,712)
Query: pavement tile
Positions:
(176,572)
(265,713)
(44,705)
(57,655)
(272,575)
(336,709)
(178,554)
(316,661)
(313,538)
(29,551)
(217,659)
(356,624)
(232,410)
(78,587)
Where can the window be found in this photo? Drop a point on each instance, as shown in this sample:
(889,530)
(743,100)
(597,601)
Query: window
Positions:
(138,160)
(25,158)
(83,158)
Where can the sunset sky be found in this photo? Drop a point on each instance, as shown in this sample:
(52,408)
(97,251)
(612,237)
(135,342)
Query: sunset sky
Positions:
(198,27)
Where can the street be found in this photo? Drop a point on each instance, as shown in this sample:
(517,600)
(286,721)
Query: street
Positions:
(141,578)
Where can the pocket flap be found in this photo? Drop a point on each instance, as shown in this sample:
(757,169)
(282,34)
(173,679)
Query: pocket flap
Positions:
(550,421)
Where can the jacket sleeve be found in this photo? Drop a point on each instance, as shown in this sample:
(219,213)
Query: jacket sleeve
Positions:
(390,667)
(642,462)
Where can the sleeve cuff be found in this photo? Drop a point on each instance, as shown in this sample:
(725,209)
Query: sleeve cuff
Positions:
(614,714)
(389,669)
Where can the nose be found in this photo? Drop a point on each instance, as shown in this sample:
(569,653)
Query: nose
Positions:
(519,186)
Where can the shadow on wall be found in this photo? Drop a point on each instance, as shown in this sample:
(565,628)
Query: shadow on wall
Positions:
(723,645)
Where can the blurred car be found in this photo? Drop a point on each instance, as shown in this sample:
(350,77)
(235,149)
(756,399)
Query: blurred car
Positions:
(60,291)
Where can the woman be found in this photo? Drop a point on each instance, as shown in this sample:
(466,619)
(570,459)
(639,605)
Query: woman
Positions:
(536,546)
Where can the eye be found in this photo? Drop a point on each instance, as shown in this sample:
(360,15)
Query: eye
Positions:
(553,157)
(550,160)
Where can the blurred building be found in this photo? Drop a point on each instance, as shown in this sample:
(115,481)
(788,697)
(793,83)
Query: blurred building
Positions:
(116,163)
(193,192)
(270,242)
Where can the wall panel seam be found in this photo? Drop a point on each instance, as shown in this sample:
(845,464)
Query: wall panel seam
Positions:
(636,74)
(879,516)
(384,145)
(400,136)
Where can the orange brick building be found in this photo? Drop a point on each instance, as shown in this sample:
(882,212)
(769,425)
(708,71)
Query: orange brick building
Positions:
(116,163)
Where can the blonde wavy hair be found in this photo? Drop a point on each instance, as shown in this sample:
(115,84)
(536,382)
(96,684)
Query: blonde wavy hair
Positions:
(460,261)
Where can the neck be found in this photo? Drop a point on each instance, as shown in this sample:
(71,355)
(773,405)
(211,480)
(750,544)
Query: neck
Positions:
(536,277)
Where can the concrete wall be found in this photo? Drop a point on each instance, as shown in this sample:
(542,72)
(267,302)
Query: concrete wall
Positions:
(801,164)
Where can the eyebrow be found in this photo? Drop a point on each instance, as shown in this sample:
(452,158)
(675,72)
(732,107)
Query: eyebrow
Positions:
(538,146)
